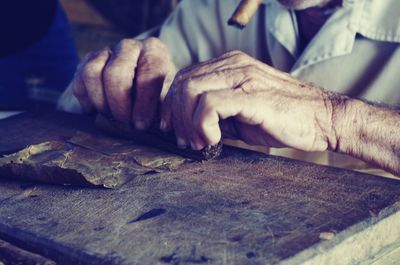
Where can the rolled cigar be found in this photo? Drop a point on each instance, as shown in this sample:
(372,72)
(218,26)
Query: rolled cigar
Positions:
(155,138)
(243,13)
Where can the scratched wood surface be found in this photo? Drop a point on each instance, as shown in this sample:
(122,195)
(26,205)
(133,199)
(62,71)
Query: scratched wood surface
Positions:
(244,208)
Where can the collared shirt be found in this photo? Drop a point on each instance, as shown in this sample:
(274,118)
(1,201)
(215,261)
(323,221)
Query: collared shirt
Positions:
(356,52)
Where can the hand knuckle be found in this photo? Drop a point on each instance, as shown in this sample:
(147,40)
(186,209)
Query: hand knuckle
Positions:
(125,43)
(180,76)
(153,42)
(151,63)
(233,53)
(91,70)
(241,57)
(249,71)
(190,85)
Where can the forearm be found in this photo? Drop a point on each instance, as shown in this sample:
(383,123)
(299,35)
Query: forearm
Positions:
(365,131)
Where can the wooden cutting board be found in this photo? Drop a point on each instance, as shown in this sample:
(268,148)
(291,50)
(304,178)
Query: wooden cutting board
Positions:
(243,208)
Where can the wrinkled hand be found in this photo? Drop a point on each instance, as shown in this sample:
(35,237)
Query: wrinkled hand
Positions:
(125,81)
(239,97)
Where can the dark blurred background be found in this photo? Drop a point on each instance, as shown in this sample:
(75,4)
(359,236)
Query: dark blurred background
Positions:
(43,41)
(97,23)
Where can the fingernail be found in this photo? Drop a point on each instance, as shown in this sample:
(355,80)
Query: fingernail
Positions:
(194,146)
(163,125)
(181,143)
(140,125)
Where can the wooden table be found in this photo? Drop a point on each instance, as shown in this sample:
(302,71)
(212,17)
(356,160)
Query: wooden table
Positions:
(243,208)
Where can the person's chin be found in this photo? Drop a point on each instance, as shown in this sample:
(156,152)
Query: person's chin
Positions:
(302,4)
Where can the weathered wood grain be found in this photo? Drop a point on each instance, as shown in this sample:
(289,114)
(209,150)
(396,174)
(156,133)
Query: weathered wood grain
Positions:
(244,208)
(13,255)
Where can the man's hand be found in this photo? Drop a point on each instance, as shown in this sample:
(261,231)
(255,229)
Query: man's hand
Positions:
(241,97)
(125,81)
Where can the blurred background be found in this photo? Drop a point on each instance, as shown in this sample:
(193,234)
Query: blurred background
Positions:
(43,41)
(97,23)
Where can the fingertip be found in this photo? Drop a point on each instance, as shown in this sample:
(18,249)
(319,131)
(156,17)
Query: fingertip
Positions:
(197,145)
(207,127)
(195,140)
(211,133)
(181,143)
(141,123)
(164,126)
(166,116)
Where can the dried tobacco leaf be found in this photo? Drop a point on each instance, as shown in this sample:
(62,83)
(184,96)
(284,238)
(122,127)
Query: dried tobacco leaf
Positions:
(86,160)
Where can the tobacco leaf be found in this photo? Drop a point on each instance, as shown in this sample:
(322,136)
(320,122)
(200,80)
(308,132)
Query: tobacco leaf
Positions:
(86,160)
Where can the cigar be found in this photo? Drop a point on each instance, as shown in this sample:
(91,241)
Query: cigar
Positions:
(155,138)
(243,13)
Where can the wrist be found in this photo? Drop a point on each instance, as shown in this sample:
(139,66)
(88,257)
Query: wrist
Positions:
(365,131)
(350,123)
(345,127)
